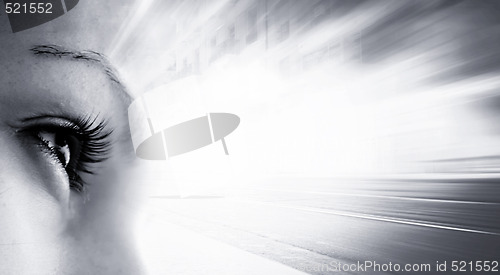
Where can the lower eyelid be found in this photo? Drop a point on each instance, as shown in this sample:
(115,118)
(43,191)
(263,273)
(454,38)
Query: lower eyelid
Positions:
(52,174)
(46,149)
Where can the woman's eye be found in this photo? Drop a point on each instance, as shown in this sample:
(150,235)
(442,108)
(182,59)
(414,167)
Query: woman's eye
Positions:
(59,144)
(77,144)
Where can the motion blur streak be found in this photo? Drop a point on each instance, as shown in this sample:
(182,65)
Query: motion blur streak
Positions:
(394,103)
(331,87)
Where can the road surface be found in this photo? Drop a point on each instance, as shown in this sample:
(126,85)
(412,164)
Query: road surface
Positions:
(340,226)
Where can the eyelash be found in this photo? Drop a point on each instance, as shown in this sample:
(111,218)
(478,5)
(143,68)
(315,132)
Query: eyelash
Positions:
(93,146)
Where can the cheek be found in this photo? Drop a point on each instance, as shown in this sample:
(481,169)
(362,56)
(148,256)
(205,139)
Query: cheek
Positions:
(30,170)
(32,220)
(26,215)
(30,232)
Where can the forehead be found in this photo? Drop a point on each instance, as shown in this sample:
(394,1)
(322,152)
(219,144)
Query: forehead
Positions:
(56,85)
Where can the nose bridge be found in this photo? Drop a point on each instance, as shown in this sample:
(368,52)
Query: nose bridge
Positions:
(101,246)
(95,254)
(123,258)
(104,225)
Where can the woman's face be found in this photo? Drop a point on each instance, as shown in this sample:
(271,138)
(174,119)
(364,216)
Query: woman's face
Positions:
(65,159)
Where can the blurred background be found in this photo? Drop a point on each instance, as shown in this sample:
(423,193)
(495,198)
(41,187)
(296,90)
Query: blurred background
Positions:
(368,130)
(329,87)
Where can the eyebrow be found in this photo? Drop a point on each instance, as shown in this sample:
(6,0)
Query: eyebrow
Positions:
(90,56)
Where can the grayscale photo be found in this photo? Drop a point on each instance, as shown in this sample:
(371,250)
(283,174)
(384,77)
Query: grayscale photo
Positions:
(249,137)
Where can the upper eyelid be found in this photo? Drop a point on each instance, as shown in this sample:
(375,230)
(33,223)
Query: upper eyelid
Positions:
(34,126)
(78,124)
(34,130)
(52,120)
(90,127)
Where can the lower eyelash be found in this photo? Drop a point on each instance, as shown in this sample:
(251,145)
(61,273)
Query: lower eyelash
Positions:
(46,148)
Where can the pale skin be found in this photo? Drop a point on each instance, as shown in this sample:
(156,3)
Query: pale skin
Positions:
(46,226)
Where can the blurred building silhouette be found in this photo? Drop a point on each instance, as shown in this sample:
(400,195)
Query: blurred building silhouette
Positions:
(285,28)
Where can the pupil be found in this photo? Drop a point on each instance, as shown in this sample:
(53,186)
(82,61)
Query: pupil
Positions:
(60,141)
(62,149)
